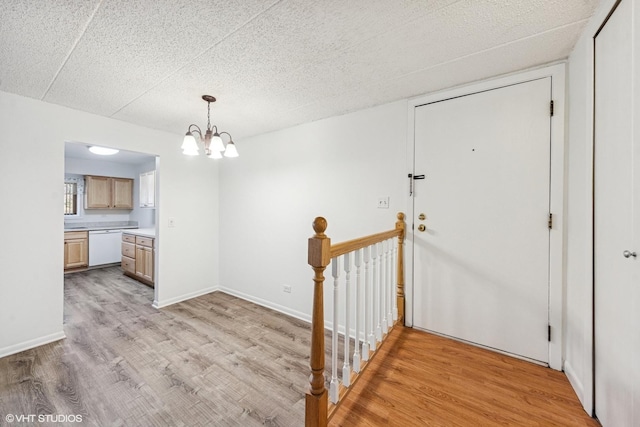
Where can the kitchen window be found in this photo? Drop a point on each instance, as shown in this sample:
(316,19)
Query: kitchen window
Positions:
(70,198)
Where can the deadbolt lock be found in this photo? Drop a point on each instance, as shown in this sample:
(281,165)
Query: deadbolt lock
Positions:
(422,217)
(422,227)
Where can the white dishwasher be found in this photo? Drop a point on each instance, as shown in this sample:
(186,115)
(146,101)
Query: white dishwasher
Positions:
(105,247)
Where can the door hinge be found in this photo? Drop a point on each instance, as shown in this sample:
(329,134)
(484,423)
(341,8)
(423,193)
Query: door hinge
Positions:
(551,108)
(550,222)
(549,333)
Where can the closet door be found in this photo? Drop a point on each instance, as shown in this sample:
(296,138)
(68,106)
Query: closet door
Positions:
(616,264)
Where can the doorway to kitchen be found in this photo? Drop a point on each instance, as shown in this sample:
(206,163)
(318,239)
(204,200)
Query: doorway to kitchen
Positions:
(110,212)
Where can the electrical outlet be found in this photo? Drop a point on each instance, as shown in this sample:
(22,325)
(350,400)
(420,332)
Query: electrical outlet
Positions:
(383,202)
(286,288)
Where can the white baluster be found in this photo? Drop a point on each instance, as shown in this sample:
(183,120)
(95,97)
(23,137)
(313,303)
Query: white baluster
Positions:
(383,289)
(356,352)
(377,293)
(346,369)
(392,291)
(334,385)
(368,303)
(389,283)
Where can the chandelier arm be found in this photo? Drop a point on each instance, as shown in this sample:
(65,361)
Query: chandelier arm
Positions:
(196,130)
(222,133)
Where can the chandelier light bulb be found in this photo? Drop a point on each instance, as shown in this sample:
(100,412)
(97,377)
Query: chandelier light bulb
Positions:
(215,154)
(216,143)
(231,150)
(189,145)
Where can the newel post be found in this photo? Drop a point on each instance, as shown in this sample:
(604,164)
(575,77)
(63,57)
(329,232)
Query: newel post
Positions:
(400,225)
(319,257)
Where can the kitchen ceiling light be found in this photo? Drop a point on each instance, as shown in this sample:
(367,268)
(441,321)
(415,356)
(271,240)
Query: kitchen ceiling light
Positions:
(213,143)
(103,151)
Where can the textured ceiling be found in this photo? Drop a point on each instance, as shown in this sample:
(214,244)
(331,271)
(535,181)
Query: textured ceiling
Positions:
(271,64)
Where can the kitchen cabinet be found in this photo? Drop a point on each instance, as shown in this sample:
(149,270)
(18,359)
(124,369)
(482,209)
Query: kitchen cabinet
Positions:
(144,263)
(148,189)
(104,192)
(129,253)
(138,257)
(76,249)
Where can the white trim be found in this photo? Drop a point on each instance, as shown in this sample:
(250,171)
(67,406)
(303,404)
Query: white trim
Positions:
(328,325)
(184,297)
(558,144)
(574,380)
(268,304)
(27,345)
(588,397)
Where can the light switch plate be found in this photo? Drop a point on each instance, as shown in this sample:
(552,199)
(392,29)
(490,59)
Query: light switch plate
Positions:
(383,202)
(172,222)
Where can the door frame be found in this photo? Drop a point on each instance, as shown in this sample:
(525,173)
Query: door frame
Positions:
(557,189)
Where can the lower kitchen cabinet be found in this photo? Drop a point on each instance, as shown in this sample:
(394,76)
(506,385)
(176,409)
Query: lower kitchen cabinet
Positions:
(144,263)
(137,257)
(76,250)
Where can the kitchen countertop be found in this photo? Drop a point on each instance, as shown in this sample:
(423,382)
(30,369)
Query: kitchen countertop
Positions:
(73,225)
(95,228)
(144,232)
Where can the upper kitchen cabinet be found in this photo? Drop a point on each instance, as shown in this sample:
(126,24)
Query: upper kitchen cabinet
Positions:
(103,192)
(122,193)
(148,189)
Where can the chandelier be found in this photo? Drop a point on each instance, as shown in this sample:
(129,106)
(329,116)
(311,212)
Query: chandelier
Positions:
(214,146)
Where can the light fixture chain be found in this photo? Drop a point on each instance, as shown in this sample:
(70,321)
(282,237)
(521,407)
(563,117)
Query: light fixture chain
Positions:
(208,115)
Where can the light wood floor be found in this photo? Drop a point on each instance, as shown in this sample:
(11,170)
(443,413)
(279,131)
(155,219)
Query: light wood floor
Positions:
(217,360)
(420,379)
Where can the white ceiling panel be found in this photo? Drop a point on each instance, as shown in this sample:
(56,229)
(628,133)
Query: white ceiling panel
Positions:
(131,46)
(35,39)
(271,64)
(519,55)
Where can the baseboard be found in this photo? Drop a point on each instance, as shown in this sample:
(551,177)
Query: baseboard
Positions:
(27,345)
(268,304)
(574,381)
(328,325)
(184,297)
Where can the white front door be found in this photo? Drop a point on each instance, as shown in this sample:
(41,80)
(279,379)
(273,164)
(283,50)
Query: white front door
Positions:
(481,267)
(616,224)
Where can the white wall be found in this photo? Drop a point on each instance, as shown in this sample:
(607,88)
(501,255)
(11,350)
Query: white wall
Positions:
(99,167)
(32,136)
(579,281)
(270,195)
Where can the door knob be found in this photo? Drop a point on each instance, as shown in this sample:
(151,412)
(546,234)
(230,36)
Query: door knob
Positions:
(628,254)
(421,227)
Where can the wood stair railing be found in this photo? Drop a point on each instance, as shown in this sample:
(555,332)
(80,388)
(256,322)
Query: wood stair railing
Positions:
(318,410)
